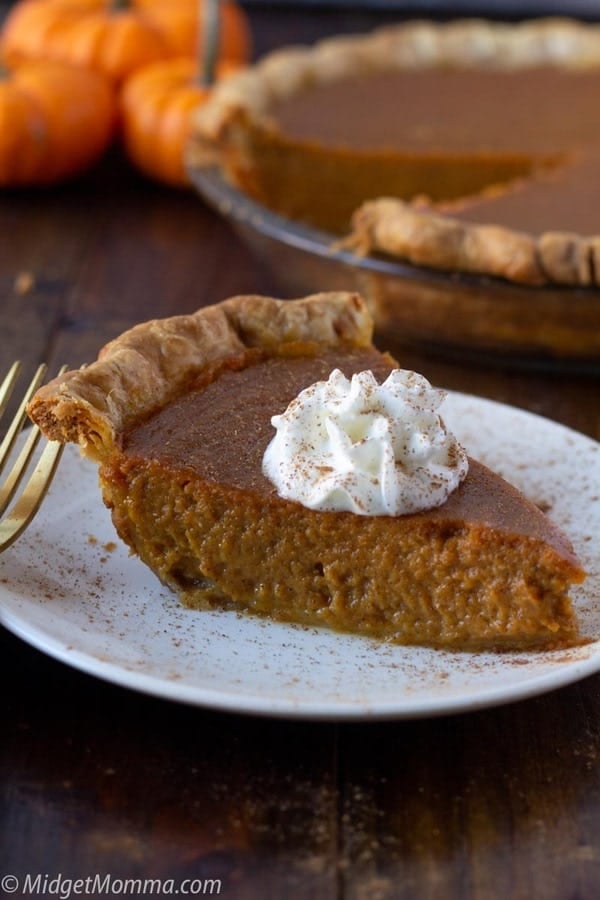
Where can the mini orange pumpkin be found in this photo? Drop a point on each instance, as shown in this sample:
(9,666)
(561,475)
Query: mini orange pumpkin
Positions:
(106,37)
(55,122)
(181,23)
(156,107)
(115,37)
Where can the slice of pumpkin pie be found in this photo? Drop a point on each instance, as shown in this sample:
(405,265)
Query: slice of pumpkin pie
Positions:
(263,455)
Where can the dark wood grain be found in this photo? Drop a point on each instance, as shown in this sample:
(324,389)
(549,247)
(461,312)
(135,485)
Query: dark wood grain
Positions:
(503,803)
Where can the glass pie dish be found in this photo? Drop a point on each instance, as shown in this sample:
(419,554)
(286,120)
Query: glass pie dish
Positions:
(469,316)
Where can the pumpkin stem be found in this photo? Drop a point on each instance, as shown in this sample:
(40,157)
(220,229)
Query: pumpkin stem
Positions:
(209,29)
(116,5)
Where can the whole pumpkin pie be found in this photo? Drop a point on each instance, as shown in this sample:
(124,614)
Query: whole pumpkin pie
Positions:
(178,414)
(468,146)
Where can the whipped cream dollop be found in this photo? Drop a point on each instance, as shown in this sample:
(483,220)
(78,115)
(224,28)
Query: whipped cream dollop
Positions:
(373,449)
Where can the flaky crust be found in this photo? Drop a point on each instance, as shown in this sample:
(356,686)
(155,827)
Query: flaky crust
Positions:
(418,234)
(392,226)
(145,367)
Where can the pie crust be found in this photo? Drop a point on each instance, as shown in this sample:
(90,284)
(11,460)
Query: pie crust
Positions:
(144,368)
(178,414)
(425,238)
(236,129)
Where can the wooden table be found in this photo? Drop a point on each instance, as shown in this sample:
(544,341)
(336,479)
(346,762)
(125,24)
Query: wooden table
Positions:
(96,779)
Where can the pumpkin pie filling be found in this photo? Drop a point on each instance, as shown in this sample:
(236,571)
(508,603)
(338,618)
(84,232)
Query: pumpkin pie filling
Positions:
(415,134)
(184,482)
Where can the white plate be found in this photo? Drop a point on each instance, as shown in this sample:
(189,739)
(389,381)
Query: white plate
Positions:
(69,588)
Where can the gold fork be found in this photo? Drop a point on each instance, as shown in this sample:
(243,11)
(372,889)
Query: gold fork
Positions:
(34,487)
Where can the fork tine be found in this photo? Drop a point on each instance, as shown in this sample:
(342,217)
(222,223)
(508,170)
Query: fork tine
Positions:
(17,423)
(6,388)
(35,488)
(8,489)
(30,500)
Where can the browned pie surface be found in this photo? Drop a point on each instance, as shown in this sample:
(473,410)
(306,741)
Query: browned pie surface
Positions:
(188,495)
(540,110)
(222,429)
(567,197)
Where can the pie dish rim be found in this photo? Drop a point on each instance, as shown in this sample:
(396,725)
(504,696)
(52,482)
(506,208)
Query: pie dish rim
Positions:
(267,233)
